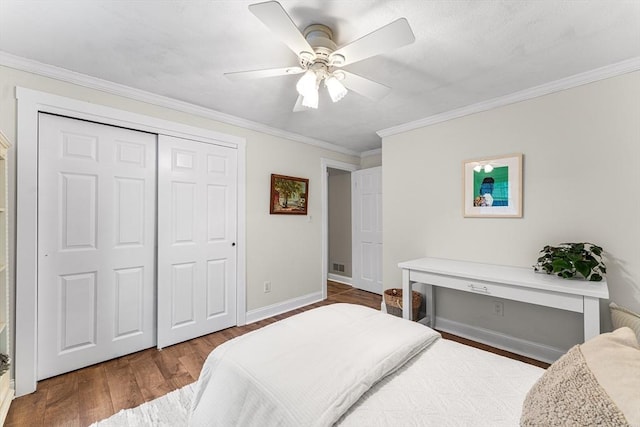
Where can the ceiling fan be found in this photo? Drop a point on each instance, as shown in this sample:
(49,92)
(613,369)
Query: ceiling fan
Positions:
(321,61)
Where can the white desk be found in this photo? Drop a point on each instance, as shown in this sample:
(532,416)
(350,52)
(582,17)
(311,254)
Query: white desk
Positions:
(512,283)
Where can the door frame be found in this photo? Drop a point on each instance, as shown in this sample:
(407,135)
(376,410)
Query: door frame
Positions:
(29,104)
(325,164)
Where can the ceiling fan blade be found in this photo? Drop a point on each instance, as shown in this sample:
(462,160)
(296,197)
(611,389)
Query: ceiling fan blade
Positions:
(278,21)
(259,74)
(391,36)
(365,87)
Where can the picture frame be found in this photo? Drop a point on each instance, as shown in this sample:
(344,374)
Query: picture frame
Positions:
(492,187)
(289,195)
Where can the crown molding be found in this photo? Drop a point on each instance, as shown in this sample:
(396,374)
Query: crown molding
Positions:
(369,153)
(62,74)
(608,71)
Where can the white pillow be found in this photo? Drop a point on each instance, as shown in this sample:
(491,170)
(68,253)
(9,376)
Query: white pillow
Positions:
(621,316)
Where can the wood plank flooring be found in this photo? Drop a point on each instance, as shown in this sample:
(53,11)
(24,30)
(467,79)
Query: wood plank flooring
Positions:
(96,392)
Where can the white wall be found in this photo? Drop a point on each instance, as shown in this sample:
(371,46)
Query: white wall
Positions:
(581,183)
(284,249)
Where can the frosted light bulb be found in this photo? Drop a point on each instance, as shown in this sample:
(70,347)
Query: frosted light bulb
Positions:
(337,91)
(310,100)
(307,84)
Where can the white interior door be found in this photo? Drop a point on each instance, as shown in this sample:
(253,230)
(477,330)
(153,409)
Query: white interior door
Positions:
(367,229)
(96,243)
(197,216)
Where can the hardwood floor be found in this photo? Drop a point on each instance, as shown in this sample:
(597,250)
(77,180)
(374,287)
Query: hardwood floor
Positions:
(90,394)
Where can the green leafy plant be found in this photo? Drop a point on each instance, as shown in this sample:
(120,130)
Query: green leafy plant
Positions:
(5,363)
(572,260)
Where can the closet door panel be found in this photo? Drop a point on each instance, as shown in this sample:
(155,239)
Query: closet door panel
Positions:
(183,282)
(216,289)
(96,243)
(197,211)
(130,212)
(129,298)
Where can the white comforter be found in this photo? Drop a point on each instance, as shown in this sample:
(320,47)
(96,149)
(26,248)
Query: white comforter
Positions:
(448,384)
(307,370)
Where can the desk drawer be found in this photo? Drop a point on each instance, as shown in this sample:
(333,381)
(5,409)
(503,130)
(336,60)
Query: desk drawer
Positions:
(500,290)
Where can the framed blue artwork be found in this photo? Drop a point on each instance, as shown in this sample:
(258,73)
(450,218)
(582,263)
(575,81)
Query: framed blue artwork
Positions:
(493,187)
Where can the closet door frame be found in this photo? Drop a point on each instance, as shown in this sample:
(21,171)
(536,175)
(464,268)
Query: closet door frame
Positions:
(30,104)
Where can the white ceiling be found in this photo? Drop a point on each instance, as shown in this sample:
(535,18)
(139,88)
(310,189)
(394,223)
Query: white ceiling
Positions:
(465,52)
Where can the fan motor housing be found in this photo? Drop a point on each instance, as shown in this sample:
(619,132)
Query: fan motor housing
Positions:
(320,37)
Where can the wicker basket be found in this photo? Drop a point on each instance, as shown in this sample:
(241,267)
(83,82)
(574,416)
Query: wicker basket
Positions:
(393,301)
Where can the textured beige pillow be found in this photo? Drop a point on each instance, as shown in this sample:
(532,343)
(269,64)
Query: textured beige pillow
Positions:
(621,316)
(596,383)
(614,359)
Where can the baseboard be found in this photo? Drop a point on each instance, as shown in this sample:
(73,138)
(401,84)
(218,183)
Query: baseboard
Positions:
(526,348)
(340,279)
(282,307)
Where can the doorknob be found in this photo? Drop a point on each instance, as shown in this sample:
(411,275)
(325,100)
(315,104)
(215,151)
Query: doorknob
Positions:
(233,244)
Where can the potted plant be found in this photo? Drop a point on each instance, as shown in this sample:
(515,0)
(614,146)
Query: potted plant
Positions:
(572,260)
(5,363)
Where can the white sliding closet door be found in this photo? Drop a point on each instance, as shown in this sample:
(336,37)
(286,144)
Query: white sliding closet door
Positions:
(96,243)
(366,219)
(197,216)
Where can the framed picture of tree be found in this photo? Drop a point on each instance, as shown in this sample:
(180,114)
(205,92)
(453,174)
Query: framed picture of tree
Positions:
(289,195)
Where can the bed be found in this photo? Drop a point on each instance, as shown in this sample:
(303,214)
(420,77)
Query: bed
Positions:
(349,365)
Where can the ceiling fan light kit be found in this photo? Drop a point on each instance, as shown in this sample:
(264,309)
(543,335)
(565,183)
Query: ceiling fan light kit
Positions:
(320,58)
(307,83)
(336,90)
(311,100)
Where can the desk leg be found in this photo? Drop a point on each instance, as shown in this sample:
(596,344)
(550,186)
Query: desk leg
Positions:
(407,308)
(591,317)
(431,305)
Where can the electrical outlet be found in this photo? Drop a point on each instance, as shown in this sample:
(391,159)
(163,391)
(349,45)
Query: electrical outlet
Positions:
(267,287)
(498,308)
